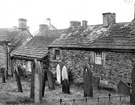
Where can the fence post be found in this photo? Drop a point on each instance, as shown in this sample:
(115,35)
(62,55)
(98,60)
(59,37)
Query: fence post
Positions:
(86,99)
(109,97)
(98,100)
(120,97)
(60,101)
(73,101)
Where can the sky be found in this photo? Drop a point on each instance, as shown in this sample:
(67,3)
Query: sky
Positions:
(61,12)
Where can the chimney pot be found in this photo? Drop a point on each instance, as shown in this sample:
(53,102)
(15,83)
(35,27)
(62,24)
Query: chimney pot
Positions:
(22,24)
(108,18)
(75,24)
(84,23)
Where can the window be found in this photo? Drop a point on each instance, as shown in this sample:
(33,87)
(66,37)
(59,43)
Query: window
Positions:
(56,54)
(98,57)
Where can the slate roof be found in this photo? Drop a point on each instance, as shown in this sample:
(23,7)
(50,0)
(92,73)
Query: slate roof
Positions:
(119,37)
(37,47)
(116,36)
(15,36)
(51,33)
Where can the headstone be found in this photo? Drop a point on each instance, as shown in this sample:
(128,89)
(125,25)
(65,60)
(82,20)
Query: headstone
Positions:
(20,71)
(65,81)
(38,83)
(96,81)
(2,70)
(87,77)
(44,78)
(64,73)
(36,100)
(50,79)
(65,86)
(29,66)
(123,88)
(18,80)
(40,80)
(32,90)
(58,74)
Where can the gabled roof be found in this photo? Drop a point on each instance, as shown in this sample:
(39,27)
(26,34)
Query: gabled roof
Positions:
(119,35)
(50,33)
(15,36)
(37,47)
(79,37)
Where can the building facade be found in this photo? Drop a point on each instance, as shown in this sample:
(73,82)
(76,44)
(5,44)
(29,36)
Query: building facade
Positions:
(10,40)
(110,48)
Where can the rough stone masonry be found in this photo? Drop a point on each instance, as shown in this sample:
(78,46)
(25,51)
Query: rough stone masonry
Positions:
(117,65)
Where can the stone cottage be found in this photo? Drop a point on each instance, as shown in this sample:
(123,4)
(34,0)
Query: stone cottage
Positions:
(37,47)
(11,39)
(109,46)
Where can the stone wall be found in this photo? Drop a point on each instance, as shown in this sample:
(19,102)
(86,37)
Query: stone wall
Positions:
(3,56)
(117,65)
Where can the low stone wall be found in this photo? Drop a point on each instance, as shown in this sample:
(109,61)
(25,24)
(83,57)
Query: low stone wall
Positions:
(117,66)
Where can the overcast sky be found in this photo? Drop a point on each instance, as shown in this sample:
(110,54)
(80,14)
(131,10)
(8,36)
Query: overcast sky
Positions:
(62,12)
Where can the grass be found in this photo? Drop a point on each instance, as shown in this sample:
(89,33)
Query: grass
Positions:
(10,95)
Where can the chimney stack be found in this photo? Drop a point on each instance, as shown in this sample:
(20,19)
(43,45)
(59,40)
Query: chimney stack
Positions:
(84,23)
(75,24)
(108,18)
(23,24)
(43,27)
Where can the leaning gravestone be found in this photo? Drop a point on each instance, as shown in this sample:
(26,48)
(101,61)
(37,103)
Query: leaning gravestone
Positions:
(38,83)
(50,79)
(87,77)
(65,82)
(58,74)
(2,72)
(123,88)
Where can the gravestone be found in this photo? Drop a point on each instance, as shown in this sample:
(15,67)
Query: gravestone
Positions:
(87,77)
(58,74)
(44,79)
(20,71)
(64,73)
(2,72)
(123,88)
(50,79)
(65,81)
(18,80)
(38,83)
(96,81)
(65,86)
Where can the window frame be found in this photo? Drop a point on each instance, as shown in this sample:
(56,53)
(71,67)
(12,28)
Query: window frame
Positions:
(98,58)
(56,55)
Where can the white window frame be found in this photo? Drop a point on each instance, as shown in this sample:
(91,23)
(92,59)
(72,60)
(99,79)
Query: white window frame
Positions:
(98,58)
